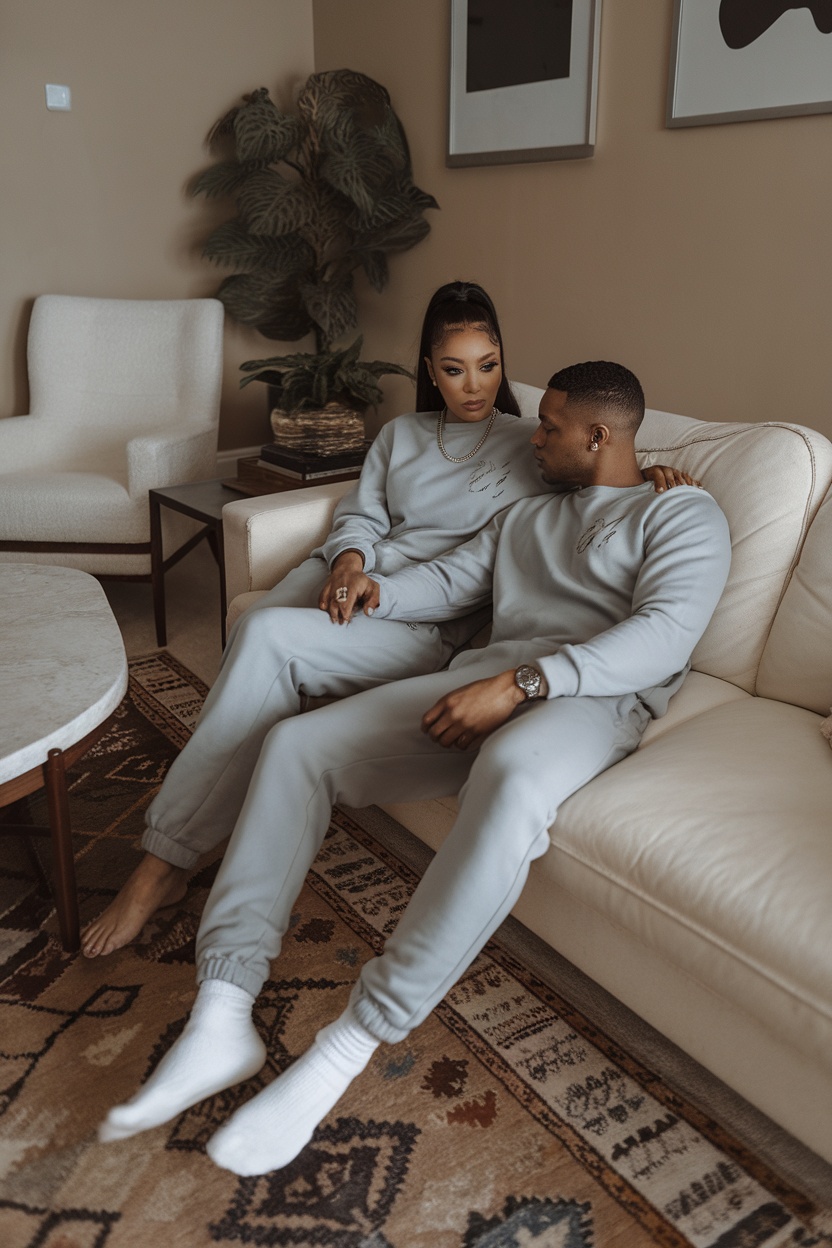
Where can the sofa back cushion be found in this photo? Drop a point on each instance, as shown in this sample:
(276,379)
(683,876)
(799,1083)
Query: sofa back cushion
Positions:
(797,662)
(769,479)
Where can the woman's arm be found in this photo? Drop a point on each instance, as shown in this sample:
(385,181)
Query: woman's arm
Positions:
(361,518)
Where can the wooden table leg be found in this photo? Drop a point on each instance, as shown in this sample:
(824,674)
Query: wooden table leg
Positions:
(157,569)
(66,896)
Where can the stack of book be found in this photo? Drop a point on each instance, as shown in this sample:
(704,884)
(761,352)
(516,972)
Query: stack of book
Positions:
(302,467)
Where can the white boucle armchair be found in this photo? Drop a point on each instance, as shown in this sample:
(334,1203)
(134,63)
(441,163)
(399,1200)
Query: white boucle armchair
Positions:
(125,398)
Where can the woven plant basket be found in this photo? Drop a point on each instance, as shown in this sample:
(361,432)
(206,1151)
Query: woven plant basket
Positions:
(334,430)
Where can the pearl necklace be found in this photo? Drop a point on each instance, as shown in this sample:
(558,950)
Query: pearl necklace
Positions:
(454,459)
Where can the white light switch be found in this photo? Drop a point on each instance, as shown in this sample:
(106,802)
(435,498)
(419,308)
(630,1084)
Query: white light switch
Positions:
(58,97)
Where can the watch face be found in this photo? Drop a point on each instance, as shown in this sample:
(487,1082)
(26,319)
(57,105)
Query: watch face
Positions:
(528,679)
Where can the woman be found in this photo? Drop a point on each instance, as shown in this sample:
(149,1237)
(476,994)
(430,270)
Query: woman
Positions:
(432,479)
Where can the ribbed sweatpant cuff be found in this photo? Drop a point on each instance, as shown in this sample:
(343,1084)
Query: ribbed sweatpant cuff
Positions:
(161,846)
(371,1018)
(230,972)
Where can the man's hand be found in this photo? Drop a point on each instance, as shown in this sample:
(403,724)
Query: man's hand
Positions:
(665,478)
(347,574)
(466,716)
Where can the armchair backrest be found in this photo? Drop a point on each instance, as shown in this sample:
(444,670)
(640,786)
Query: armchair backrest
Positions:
(112,368)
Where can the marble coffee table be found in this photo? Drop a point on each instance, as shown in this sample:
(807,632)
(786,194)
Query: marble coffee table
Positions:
(63,671)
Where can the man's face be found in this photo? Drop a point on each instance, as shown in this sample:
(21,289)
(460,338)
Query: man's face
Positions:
(561,442)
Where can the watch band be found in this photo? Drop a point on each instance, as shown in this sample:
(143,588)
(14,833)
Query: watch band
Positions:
(529,679)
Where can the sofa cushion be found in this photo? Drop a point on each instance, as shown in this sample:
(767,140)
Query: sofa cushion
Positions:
(797,661)
(713,845)
(699,693)
(769,479)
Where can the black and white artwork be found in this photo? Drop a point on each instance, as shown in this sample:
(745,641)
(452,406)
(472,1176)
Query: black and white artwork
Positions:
(739,60)
(523,80)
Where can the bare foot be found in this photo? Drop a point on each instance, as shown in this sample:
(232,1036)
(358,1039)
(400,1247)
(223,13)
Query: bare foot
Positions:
(152,885)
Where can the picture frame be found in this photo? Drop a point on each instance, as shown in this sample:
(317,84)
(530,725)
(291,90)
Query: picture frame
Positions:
(523,81)
(742,60)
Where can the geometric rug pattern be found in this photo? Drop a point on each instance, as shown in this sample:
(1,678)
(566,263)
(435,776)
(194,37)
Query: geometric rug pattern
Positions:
(507,1120)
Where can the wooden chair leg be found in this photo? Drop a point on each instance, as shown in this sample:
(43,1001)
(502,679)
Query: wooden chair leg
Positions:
(66,895)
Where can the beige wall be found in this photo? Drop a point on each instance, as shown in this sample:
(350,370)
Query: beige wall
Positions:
(698,257)
(94,200)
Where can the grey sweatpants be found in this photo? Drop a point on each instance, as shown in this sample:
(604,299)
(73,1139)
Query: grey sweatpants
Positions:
(370,748)
(282,647)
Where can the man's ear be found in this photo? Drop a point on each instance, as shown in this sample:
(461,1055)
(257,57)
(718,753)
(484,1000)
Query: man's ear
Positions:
(599,435)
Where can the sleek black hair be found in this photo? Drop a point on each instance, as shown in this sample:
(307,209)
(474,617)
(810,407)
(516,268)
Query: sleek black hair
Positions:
(452,306)
(610,386)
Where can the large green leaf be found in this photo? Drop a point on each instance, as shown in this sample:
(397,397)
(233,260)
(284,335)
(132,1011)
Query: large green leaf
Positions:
(325,95)
(221,179)
(274,309)
(262,132)
(224,129)
(397,236)
(375,266)
(270,204)
(233,245)
(332,306)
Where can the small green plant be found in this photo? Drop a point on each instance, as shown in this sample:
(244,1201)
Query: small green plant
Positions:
(305,382)
(320,193)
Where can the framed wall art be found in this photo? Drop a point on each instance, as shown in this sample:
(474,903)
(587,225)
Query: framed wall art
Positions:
(739,60)
(523,81)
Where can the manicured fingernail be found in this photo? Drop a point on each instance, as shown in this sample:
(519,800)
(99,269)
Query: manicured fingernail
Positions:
(370,610)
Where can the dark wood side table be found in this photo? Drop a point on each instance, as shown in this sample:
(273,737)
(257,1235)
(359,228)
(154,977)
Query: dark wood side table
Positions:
(201,500)
(204,500)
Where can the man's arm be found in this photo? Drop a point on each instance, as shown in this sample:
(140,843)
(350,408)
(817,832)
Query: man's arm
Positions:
(688,555)
(680,583)
(452,585)
(466,716)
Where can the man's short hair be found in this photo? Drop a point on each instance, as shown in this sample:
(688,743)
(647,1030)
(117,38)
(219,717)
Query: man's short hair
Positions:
(606,385)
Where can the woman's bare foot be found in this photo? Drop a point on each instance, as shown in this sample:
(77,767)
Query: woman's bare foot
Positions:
(152,885)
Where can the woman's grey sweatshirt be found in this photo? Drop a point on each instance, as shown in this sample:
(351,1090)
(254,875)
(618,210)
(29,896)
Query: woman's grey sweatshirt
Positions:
(607,590)
(411,504)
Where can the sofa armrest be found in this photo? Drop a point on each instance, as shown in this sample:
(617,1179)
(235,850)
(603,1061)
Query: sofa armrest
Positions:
(266,537)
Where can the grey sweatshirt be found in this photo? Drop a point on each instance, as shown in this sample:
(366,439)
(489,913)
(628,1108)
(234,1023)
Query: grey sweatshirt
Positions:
(606,590)
(411,504)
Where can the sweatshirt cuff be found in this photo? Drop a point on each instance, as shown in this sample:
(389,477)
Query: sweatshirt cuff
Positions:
(561,676)
(386,599)
(333,549)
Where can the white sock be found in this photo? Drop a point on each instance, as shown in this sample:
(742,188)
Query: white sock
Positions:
(219,1047)
(269,1131)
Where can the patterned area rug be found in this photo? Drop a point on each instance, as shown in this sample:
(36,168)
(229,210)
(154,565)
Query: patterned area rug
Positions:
(507,1120)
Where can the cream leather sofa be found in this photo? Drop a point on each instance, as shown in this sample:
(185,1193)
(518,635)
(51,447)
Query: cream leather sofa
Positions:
(694,879)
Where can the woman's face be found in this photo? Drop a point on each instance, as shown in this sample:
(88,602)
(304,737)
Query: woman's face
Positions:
(467,368)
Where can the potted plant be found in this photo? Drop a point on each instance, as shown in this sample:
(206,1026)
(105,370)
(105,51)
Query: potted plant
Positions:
(319,193)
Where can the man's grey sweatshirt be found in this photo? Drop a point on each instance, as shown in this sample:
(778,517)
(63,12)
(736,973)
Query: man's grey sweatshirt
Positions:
(411,504)
(606,590)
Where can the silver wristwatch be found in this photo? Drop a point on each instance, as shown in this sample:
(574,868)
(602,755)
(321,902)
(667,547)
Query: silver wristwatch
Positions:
(529,679)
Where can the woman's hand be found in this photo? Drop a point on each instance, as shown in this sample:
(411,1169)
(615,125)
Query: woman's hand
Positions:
(665,478)
(347,587)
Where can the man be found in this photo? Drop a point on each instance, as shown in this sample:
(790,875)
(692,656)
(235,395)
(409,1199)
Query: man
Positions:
(600,590)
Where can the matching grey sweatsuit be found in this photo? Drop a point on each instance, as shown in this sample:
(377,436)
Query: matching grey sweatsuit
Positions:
(607,591)
(410,505)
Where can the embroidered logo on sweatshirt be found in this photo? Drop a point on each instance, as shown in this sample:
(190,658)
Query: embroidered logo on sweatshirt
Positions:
(587,538)
(487,475)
